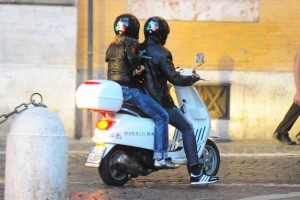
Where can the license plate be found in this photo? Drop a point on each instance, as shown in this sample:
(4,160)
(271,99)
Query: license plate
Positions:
(95,156)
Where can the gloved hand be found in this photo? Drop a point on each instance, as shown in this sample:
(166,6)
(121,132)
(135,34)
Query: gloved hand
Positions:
(139,73)
(195,77)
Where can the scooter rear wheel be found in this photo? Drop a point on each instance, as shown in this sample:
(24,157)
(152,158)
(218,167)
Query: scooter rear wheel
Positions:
(107,171)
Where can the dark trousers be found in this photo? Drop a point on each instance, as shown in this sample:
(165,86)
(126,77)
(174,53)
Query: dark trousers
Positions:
(289,119)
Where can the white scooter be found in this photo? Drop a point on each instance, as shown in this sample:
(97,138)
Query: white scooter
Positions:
(124,137)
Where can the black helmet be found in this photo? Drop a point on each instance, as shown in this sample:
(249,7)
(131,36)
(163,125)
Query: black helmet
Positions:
(158,27)
(128,25)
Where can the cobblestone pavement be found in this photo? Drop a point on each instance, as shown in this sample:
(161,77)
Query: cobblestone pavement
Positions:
(248,171)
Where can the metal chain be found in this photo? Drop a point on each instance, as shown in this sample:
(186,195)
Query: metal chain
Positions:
(23,107)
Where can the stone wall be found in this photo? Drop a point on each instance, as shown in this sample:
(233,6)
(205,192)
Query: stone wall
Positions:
(199,10)
(38,54)
(258,102)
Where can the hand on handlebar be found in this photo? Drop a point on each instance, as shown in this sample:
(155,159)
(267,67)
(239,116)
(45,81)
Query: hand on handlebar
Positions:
(196,76)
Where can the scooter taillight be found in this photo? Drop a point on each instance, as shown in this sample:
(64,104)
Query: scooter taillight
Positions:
(104,124)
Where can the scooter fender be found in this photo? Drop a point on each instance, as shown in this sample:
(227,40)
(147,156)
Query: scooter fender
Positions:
(97,153)
(108,147)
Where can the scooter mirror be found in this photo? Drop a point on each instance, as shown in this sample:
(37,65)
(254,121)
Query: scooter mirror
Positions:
(199,58)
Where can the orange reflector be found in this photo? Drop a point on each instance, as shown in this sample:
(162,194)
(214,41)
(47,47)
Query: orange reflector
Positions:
(104,124)
(100,144)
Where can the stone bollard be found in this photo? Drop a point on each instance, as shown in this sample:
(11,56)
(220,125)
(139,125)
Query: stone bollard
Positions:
(36,157)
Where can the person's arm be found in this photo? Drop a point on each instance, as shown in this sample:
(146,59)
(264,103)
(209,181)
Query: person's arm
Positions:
(174,77)
(297,77)
(132,55)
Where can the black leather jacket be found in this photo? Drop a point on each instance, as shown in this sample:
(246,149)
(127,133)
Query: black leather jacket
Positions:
(159,70)
(122,58)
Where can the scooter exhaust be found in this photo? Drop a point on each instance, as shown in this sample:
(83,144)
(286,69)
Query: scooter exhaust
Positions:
(126,164)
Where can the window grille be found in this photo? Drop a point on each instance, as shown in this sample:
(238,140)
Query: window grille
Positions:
(216,98)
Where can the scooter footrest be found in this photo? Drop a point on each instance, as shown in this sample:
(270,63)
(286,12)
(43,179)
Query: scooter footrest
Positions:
(92,165)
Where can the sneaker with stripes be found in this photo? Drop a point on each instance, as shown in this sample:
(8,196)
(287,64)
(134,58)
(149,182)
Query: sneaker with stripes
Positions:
(203,179)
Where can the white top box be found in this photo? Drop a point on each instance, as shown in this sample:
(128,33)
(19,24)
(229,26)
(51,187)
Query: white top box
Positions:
(99,95)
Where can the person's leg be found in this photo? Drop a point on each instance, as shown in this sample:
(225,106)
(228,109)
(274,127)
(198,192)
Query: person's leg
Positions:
(282,131)
(289,119)
(160,117)
(178,120)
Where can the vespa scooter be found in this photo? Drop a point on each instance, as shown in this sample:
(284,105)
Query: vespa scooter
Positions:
(124,136)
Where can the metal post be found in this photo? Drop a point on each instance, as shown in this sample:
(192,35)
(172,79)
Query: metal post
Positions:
(90,57)
(90,39)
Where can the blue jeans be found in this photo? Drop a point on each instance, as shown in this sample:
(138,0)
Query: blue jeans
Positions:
(179,121)
(160,117)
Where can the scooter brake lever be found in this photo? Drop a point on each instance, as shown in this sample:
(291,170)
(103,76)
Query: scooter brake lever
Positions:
(201,79)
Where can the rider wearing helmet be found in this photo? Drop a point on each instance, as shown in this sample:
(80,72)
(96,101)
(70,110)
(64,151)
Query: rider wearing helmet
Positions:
(159,70)
(123,60)
(128,25)
(122,54)
(156,31)
(157,27)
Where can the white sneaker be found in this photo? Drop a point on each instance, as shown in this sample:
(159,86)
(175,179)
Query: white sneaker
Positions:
(165,164)
(203,179)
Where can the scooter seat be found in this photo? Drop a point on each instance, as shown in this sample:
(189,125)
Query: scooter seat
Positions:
(132,110)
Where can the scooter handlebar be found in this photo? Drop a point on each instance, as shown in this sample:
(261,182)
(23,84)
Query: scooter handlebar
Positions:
(184,71)
(188,72)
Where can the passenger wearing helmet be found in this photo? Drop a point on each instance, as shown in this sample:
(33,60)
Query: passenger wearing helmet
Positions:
(122,60)
(159,70)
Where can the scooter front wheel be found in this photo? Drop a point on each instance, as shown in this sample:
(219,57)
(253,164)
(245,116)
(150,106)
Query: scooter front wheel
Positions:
(210,158)
(107,171)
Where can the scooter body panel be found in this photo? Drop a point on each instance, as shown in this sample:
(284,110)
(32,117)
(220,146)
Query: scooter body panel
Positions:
(192,106)
(128,130)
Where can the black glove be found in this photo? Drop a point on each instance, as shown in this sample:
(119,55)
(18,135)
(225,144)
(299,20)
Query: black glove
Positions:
(196,77)
(139,75)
